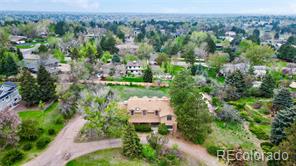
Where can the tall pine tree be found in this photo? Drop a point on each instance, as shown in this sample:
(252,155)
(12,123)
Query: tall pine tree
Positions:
(148,75)
(47,87)
(29,88)
(131,147)
(237,81)
(283,119)
(282,100)
(267,86)
(289,145)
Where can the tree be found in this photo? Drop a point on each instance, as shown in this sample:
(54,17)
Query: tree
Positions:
(194,120)
(19,54)
(104,117)
(46,85)
(4,38)
(148,75)
(182,83)
(156,141)
(162,58)
(144,51)
(108,43)
(289,145)
(267,86)
(218,60)
(29,88)
(284,118)
(190,57)
(106,57)
(28,130)
(115,59)
(211,46)
(9,122)
(8,64)
(258,55)
(236,81)
(131,146)
(42,48)
(282,100)
(69,101)
(163,129)
(287,52)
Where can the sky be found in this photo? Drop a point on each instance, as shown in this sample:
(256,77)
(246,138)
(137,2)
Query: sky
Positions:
(155,6)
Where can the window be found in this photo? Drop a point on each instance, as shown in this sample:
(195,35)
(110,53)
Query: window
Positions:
(169,117)
(144,113)
(156,113)
(132,112)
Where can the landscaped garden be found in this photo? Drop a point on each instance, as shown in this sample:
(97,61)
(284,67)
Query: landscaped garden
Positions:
(38,129)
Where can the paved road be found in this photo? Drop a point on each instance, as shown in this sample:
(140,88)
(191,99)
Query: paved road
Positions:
(64,143)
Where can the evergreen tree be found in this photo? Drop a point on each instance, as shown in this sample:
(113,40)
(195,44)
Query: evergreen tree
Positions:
(194,120)
(131,147)
(237,81)
(47,87)
(19,54)
(282,100)
(283,119)
(8,65)
(289,145)
(148,75)
(29,88)
(267,86)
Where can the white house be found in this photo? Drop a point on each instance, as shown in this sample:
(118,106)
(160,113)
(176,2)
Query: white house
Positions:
(134,68)
(9,95)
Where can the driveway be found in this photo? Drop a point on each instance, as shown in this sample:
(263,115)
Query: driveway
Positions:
(64,144)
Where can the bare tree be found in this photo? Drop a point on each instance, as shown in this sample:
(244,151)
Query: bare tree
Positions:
(9,122)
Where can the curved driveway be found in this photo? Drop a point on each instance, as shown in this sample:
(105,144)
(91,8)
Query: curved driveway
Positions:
(64,144)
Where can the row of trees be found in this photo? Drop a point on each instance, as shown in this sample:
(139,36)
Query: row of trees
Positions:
(34,91)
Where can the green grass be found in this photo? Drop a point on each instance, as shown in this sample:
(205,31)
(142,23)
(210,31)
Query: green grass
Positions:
(109,157)
(229,136)
(27,46)
(123,93)
(46,120)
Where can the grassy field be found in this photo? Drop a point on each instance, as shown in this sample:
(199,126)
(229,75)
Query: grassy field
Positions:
(47,119)
(110,157)
(123,93)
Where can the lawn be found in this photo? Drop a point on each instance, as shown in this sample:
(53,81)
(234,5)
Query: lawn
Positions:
(110,157)
(47,119)
(113,157)
(123,93)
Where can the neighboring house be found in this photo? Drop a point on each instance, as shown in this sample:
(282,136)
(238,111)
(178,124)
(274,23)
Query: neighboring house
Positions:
(152,111)
(18,39)
(127,48)
(260,71)
(290,69)
(110,69)
(231,68)
(51,64)
(134,68)
(9,95)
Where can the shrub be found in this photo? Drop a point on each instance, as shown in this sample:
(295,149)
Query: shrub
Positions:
(143,128)
(27,147)
(266,146)
(259,132)
(163,129)
(12,157)
(228,114)
(28,130)
(51,131)
(42,142)
(213,150)
(59,120)
(148,152)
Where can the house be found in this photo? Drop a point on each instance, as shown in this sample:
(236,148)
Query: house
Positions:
(51,64)
(290,69)
(9,95)
(127,48)
(134,68)
(18,39)
(231,68)
(260,71)
(152,111)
